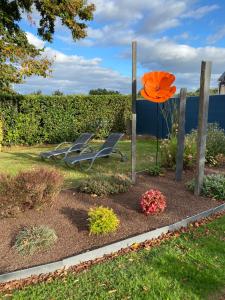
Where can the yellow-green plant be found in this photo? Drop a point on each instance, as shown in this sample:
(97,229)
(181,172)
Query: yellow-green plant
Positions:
(102,220)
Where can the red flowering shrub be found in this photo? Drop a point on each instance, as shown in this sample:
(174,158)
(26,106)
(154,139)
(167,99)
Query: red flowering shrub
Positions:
(153,202)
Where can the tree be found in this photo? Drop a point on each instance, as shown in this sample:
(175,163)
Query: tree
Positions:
(57,93)
(103,92)
(212,91)
(19,58)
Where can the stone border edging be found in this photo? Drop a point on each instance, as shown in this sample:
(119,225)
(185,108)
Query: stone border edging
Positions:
(105,250)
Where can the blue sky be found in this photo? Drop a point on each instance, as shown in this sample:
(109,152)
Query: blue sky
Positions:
(172,35)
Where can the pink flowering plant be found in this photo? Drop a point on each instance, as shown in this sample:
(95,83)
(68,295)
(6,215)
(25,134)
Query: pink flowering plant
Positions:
(153,202)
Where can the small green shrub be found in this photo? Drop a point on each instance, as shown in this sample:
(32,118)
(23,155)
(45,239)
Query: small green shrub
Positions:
(215,144)
(102,220)
(213,186)
(215,140)
(105,185)
(155,170)
(34,239)
(169,151)
(29,189)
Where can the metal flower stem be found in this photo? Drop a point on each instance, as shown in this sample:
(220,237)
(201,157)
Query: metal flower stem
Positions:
(157,133)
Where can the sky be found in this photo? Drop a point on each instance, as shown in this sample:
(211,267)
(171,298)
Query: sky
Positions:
(171,35)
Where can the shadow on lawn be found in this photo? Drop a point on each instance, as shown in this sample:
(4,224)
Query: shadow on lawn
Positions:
(78,217)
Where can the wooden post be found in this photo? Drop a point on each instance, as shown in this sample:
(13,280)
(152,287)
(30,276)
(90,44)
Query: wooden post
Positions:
(134,98)
(181,134)
(202,123)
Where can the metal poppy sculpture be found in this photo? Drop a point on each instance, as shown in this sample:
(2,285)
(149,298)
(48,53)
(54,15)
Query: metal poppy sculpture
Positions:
(157,88)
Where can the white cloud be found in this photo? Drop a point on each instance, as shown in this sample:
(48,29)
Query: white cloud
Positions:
(120,22)
(220,34)
(32,39)
(201,11)
(74,74)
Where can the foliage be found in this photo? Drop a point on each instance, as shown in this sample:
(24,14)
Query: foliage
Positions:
(19,58)
(1,133)
(57,93)
(102,220)
(36,119)
(28,189)
(34,239)
(220,159)
(213,186)
(153,202)
(212,91)
(103,92)
(155,170)
(104,185)
(169,151)
(215,144)
(169,111)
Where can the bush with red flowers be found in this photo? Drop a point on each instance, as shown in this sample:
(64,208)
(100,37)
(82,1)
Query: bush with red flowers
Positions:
(153,202)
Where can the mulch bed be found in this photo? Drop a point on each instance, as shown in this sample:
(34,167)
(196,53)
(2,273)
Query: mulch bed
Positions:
(68,217)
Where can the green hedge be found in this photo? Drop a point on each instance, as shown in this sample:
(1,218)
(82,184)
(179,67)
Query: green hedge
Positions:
(34,119)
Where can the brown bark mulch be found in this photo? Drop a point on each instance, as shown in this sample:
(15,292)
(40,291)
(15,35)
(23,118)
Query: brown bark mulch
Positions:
(68,217)
(8,287)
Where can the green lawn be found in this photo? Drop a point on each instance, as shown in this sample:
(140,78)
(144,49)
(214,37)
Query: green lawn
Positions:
(188,267)
(15,159)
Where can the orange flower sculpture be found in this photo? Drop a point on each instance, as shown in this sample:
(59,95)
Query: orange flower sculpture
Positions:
(157,86)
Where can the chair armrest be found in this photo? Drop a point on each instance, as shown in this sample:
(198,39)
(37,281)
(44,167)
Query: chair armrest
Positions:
(59,145)
(73,148)
(99,152)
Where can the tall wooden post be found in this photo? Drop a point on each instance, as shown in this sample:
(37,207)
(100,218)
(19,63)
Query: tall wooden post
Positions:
(134,98)
(206,68)
(181,134)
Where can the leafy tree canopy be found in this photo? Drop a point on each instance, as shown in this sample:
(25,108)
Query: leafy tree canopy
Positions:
(19,58)
(57,93)
(212,91)
(103,92)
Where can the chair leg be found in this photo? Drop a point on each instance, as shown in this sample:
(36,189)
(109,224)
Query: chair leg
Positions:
(89,167)
(123,156)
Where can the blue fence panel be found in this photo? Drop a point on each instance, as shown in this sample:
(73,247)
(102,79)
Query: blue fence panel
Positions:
(147,115)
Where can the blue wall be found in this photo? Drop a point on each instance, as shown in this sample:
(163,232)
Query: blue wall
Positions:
(147,115)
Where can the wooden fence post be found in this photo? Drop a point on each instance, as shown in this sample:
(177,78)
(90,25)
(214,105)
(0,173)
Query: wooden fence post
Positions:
(181,134)
(134,98)
(202,123)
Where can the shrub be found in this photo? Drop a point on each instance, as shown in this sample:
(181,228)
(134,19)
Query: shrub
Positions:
(102,220)
(33,119)
(213,186)
(215,144)
(215,141)
(29,189)
(155,170)
(153,202)
(169,151)
(1,133)
(34,239)
(220,159)
(105,185)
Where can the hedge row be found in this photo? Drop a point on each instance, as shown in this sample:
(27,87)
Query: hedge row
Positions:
(35,119)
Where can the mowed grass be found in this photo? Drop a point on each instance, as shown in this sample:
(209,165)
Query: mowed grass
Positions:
(15,159)
(188,267)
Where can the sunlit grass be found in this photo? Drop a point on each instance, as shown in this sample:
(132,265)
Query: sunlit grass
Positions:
(15,159)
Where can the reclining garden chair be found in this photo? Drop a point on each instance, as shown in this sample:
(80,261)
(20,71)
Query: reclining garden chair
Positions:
(88,154)
(77,146)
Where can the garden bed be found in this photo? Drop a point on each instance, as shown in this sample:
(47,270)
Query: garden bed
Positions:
(68,217)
